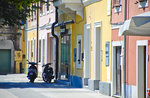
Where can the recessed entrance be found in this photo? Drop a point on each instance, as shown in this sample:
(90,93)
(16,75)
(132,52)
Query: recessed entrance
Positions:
(117,68)
(118,71)
(65,57)
(141,72)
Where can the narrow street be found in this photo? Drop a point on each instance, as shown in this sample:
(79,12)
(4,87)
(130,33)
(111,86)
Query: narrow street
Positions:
(17,86)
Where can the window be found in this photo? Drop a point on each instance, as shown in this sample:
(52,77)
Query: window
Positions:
(116,3)
(107,53)
(31,49)
(28,49)
(39,50)
(32,12)
(79,54)
(20,44)
(24,31)
(34,51)
(44,51)
(41,7)
(48,5)
(143,3)
(108,7)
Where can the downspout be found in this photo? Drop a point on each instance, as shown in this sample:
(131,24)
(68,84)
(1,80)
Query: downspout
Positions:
(57,41)
(37,37)
(125,18)
(25,71)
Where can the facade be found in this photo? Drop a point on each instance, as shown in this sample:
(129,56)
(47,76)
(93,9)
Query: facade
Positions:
(97,45)
(20,54)
(45,40)
(70,29)
(9,43)
(103,44)
(130,34)
(46,45)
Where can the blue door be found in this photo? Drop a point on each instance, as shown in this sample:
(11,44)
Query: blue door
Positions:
(5,61)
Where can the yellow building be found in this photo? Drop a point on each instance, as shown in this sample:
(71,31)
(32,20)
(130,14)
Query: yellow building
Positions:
(70,30)
(20,54)
(31,43)
(97,45)
(45,40)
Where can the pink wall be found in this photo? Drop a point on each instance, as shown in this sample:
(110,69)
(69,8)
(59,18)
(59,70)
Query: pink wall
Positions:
(131,58)
(118,17)
(115,38)
(132,10)
(47,18)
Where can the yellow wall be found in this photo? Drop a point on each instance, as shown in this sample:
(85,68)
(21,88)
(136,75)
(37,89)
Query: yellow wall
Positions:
(19,58)
(77,28)
(31,35)
(97,12)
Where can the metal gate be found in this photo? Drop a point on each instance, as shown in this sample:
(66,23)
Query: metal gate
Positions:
(65,57)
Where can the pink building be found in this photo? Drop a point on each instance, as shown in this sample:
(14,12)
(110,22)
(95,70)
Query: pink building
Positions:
(46,40)
(130,18)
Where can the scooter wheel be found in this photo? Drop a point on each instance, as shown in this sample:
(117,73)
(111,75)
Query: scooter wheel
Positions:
(32,80)
(49,81)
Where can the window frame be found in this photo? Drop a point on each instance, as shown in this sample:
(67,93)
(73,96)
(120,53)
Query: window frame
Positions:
(143,3)
(107,50)
(118,7)
(40,42)
(116,3)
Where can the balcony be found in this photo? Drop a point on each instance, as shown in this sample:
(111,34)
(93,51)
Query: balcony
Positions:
(88,2)
(70,7)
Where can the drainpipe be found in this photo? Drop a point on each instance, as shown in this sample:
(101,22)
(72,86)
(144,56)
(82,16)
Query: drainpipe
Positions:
(37,49)
(125,17)
(57,41)
(25,67)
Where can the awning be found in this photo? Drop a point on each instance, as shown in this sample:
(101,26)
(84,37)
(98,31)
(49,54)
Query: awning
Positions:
(136,26)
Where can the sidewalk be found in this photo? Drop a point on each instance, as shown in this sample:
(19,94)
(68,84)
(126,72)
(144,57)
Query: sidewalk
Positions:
(17,86)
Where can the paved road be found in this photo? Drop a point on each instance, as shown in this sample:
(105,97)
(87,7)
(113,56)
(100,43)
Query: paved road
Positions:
(17,86)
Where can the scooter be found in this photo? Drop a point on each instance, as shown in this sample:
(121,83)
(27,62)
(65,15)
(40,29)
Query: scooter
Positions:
(32,71)
(47,73)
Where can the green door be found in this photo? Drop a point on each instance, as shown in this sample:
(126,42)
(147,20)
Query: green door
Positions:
(5,61)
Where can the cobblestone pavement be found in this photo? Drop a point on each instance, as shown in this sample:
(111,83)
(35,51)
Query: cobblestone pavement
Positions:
(18,86)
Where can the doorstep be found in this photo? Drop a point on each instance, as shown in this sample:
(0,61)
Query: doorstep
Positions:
(65,82)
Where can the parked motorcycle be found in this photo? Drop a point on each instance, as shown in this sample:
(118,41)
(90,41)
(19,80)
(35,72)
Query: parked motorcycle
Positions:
(47,73)
(32,71)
